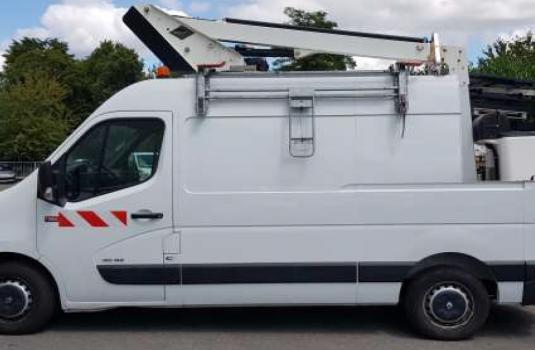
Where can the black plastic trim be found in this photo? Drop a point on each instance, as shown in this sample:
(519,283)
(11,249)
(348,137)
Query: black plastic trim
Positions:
(384,272)
(509,272)
(326,31)
(269,273)
(140,274)
(149,216)
(156,42)
(198,274)
(528,295)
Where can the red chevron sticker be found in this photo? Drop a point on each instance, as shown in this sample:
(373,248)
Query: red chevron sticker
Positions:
(122,216)
(92,219)
(63,221)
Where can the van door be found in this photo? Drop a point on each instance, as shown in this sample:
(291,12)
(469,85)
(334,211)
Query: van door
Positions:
(106,243)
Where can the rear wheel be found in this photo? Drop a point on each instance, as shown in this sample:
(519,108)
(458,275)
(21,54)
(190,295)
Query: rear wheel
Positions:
(27,299)
(447,304)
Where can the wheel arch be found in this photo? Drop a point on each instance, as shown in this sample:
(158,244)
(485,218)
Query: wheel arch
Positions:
(464,262)
(38,265)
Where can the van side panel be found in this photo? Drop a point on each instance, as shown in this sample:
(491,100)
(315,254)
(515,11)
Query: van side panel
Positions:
(368,196)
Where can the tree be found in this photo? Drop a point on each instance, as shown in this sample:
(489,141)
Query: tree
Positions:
(45,92)
(318,62)
(37,59)
(29,57)
(513,59)
(33,118)
(110,68)
(87,82)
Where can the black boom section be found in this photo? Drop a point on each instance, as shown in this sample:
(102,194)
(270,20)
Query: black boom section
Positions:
(155,42)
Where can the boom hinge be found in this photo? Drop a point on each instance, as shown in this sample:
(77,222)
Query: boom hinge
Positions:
(202,93)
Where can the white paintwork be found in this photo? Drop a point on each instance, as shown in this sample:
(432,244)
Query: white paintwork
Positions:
(312,41)
(197,49)
(515,154)
(378,293)
(232,193)
(265,294)
(510,292)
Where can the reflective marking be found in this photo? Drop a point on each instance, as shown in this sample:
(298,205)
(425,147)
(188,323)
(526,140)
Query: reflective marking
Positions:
(92,219)
(122,216)
(63,221)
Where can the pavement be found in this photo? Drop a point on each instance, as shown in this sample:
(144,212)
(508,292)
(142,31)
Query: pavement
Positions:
(362,328)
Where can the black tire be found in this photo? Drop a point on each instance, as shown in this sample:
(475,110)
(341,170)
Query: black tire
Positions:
(43,300)
(446,304)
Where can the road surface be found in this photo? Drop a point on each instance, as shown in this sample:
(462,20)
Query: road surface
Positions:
(271,329)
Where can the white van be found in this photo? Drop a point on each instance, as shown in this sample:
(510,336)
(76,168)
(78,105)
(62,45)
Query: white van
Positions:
(290,189)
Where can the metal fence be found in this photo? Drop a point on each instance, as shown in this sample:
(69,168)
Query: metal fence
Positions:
(22,169)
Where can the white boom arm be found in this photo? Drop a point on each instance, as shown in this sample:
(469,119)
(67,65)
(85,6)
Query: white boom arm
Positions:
(190,44)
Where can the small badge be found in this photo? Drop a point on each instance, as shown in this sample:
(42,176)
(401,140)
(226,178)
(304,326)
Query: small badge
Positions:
(51,218)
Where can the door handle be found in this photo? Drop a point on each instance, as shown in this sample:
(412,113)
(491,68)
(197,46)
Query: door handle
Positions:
(147,215)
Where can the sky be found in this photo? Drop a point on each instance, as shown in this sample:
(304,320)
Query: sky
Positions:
(83,24)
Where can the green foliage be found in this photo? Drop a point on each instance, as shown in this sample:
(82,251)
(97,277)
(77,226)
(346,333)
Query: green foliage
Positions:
(109,69)
(29,57)
(510,58)
(33,118)
(319,62)
(45,92)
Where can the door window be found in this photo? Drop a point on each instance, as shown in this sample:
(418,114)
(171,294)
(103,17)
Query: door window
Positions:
(113,155)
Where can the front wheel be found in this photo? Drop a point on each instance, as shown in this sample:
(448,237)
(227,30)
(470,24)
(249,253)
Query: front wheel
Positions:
(447,304)
(27,299)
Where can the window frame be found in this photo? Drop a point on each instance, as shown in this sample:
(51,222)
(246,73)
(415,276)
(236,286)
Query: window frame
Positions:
(61,163)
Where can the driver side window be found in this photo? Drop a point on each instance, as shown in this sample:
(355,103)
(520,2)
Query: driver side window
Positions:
(111,156)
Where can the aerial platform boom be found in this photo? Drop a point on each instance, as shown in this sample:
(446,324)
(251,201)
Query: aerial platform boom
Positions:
(190,44)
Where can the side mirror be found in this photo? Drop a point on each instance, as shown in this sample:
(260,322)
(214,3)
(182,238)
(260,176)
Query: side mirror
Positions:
(46,182)
(48,189)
